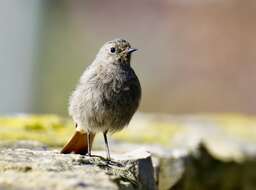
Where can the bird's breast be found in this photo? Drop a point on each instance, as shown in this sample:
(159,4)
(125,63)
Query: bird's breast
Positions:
(109,99)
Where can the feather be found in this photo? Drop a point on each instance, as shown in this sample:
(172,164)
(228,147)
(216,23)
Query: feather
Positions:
(78,143)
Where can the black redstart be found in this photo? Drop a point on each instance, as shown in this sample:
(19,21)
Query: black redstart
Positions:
(106,97)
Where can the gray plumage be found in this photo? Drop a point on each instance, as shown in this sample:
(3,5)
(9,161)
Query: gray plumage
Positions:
(108,93)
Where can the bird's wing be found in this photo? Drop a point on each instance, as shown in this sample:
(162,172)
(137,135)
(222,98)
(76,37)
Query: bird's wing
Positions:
(77,143)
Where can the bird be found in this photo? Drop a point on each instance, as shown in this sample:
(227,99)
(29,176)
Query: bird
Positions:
(105,98)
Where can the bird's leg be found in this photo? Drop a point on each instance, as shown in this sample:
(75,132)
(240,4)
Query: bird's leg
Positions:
(89,143)
(106,144)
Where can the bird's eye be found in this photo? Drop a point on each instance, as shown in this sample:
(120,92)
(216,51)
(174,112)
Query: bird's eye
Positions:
(112,50)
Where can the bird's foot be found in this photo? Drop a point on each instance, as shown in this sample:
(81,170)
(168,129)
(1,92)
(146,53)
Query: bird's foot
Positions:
(114,163)
(88,154)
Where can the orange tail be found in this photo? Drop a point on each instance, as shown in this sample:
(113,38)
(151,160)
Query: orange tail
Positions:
(78,143)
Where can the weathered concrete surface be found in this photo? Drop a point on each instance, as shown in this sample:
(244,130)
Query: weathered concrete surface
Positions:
(33,169)
(201,169)
(30,165)
(188,153)
(222,165)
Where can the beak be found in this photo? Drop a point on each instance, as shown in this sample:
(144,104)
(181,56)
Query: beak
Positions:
(130,50)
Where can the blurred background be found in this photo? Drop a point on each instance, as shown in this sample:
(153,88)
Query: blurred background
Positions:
(196,64)
(195,55)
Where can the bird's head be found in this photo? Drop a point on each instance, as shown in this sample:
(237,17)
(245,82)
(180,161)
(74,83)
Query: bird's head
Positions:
(117,51)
